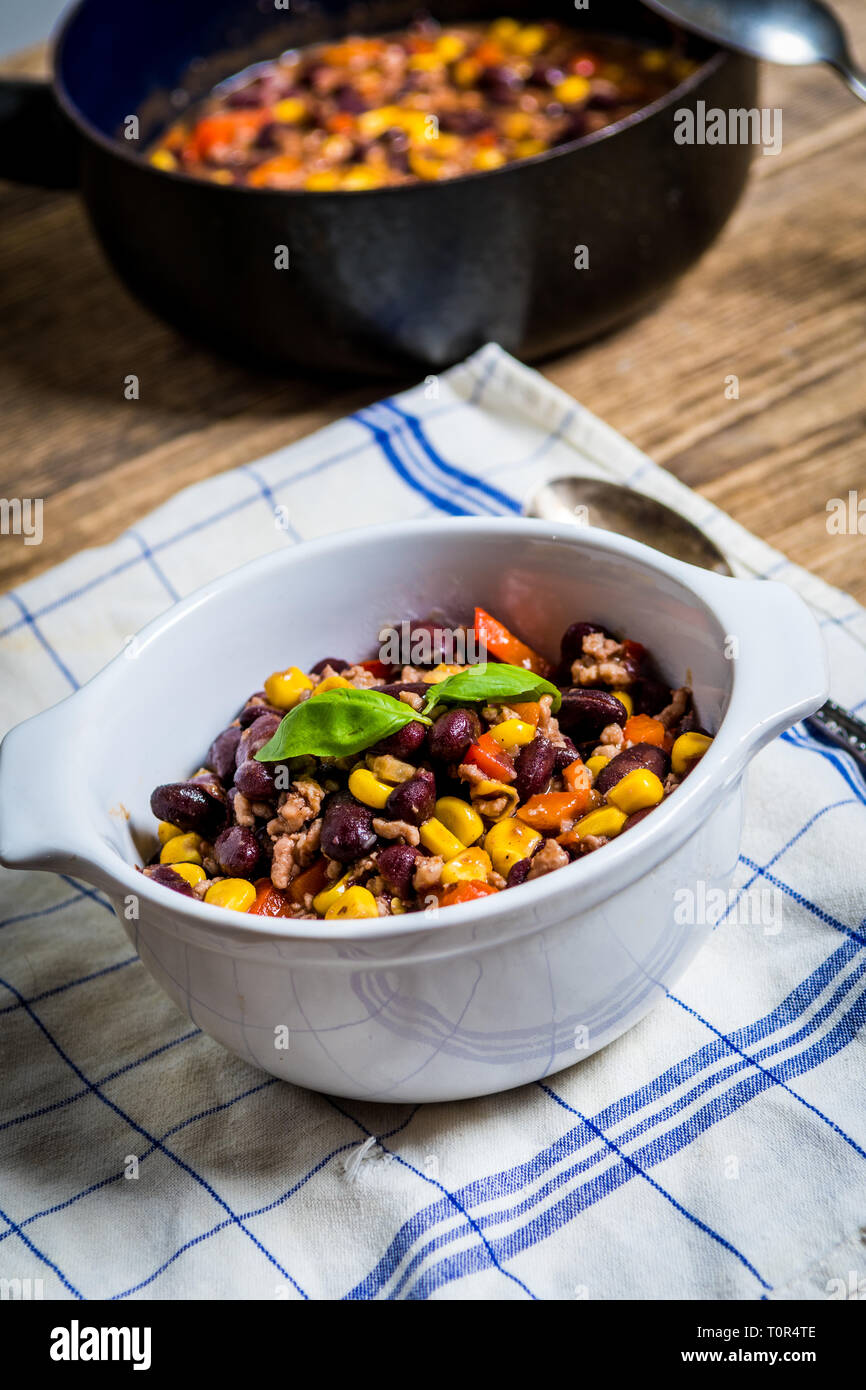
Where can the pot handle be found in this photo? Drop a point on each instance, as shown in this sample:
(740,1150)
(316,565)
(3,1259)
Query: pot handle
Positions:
(781,674)
(43,790)
(37,142)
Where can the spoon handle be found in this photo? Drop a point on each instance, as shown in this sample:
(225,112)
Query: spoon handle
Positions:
(853,77)
(841,728)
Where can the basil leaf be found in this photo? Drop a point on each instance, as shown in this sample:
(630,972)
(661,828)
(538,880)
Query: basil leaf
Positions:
(336,723)
(491,681)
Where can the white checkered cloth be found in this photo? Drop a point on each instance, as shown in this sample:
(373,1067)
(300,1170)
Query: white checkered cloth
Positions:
(716,1151)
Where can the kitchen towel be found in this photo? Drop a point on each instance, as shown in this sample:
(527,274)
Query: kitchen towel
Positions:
(718,1150)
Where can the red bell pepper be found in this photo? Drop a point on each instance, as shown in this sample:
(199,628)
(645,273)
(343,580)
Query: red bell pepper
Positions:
(554,810)
(641,728)
(577,776)
(465,892)
(491,758)
(496,638)
(269,901)
(312,880)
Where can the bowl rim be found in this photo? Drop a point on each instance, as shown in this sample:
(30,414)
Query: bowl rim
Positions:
(716,59)
(625,860)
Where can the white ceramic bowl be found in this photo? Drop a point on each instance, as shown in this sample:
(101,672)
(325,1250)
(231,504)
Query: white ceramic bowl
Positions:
(477,998)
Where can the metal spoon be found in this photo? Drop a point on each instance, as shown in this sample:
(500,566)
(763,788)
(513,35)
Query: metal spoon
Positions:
(793,32)
(594,502)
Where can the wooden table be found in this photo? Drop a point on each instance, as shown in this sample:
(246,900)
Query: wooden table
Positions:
(778,302)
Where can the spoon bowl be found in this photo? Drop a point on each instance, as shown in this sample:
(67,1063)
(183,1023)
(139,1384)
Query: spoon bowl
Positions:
(791,32)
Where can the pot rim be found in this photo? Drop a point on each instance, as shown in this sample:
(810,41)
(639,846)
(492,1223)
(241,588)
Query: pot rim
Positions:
(716,60)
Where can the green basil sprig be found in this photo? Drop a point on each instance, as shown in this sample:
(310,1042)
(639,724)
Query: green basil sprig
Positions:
(491,681)
(337,723)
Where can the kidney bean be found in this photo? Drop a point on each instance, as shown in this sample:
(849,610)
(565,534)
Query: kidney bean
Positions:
(565,754)
(347,830)
(191,807)
(255,780)
(405,742)
(250,713)
(413,801)
(650,695)
(210,782)
(221,755)
(635,817)
(571,645)
(534,767)
(584,713)
(435,640)
(452,734)
(237,851)
(165,874)
(464,122)
(256,736)
(397,867)
(641,755)
(335,662)
(518,873)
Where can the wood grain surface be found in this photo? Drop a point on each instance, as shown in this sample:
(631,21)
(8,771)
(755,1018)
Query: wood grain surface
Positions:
(778,302)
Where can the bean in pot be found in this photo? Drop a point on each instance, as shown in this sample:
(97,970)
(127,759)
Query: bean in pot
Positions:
(413,801)
(347,828)
(641,755)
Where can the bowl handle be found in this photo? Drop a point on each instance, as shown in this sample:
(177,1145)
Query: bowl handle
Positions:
(44,796)
(781,670)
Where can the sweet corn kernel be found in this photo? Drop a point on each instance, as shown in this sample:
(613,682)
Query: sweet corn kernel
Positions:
(290,110)
(372,124)
(517,125)
(687,749)
(509,841)
(235,893)
(473,865)
(331,683)
(460,818)
(466,72)
(607,820)
(283,689)
(181,849)
(355,902)
(441,672)
(597,763)
(367,788)
(397,907)
(450,47)
(166,831)
(193,873)
(361,176)
(525,149)
(572,90)
(487,788)
(163,159)
(654,60)
(416,123)
(325,181)
(624,699)
(636,791)
(512,733)
(425,168)
(529,40)
(488,157)
(439,840)
(425,62)
(328,896)
(504,30)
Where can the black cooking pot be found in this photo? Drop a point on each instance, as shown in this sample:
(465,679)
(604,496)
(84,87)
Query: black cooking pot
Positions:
(385,281)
